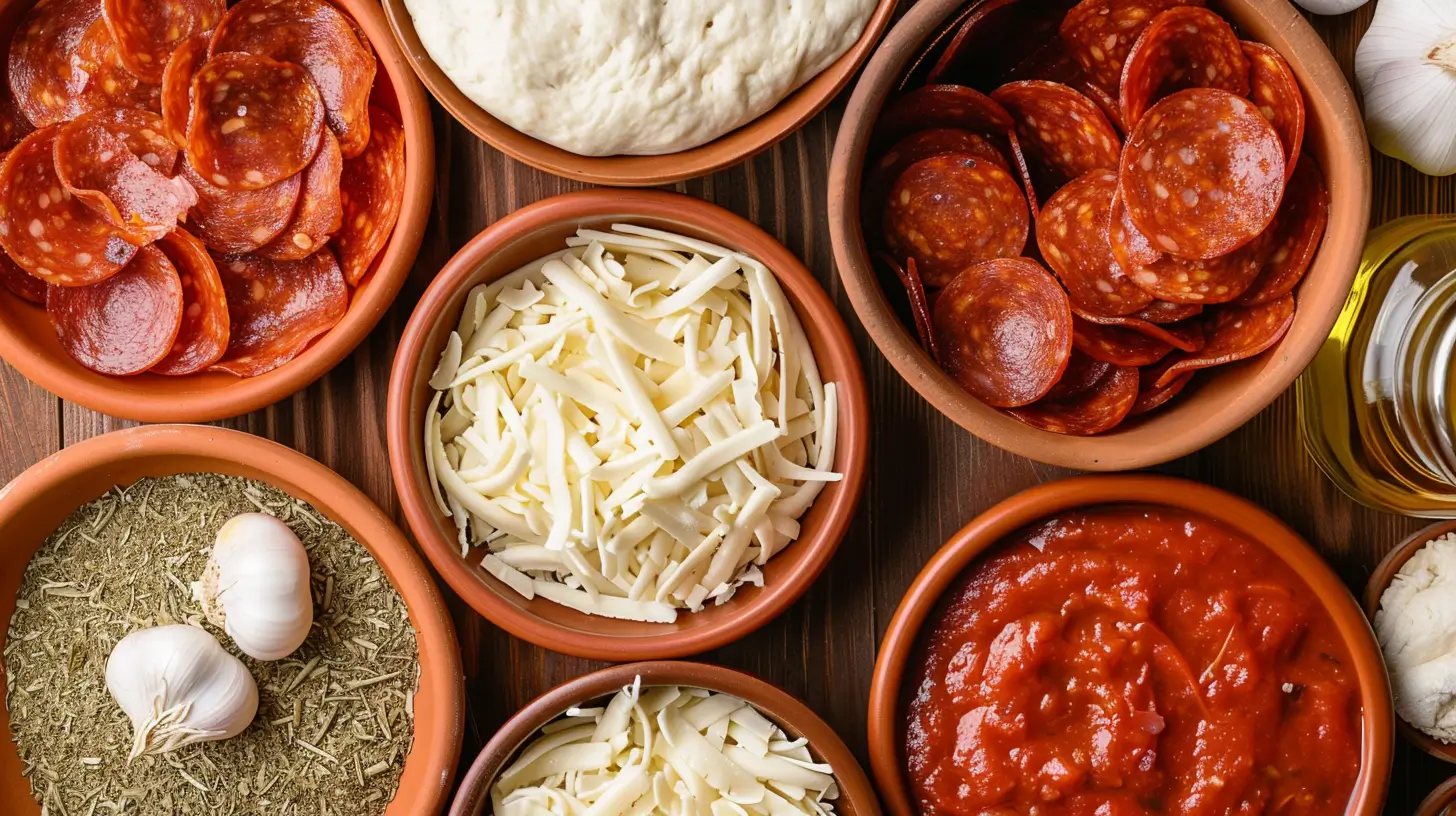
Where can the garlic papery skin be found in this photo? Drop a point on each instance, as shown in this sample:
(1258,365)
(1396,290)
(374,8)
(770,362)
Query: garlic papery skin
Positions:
(179,686)
(1406,66)
(255,586)
(1328,7)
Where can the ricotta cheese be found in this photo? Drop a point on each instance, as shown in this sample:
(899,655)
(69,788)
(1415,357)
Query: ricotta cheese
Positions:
(636,77)
(1416,627)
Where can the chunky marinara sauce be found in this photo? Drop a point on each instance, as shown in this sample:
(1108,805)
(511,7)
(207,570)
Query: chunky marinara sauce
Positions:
(1126,660)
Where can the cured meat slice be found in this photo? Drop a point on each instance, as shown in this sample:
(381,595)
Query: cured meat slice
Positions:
(923,144)
(1237,333)
(1023,170)
(1117,345)
(146,31)
(20,283)
(319,37)
(1130,247)
(108,83)
(1004,330)
(1183,47)
(234,222)
(1100,33)
(257,121)
(124,324)
(44,77)
(1296,235)
(13,124)
(1072,234)
(1161,311)
(1274,89)
(117,162)
(183,65)
(1111,108)
(943,106)
(1082,375)
(948,212)
(372,187)
(277,308)
(320,207)
(919,304)
(1096,411)
(996,38)
(1216,280)
(1202,174)
(1151,395)
(1063,132)
(1187,336)
(202,336)
(46,230)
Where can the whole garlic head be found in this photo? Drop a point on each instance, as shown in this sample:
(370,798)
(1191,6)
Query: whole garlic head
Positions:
(179,686)
(1406,65)
(255,586)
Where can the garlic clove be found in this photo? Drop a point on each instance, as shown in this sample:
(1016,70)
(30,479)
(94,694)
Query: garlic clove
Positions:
(179,686)
(1406,67)
(1330,6)
(255,586)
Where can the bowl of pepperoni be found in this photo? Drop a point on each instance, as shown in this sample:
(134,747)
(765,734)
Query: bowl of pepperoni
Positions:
(1101,234)
(203,207)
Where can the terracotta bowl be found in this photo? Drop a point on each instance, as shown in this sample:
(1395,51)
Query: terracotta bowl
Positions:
(888,694)
(1440,799)
(856,797)
(36,503)
(534,232)
(641,171)
(1217,403)
(28,342)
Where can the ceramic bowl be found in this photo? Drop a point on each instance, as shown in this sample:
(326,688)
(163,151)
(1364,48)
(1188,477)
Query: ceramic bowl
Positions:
(642,171)
(1218,402)
(888,694)
(1440,799)
(856,797)
(28,342)
(539,230)
(41,498)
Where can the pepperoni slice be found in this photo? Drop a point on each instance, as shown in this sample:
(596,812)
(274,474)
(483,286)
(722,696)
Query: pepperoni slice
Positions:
(234,222)
(108,82)
(13,124)
(1237,333)
(1183,47)
(1111,108)
(146,31)
(1185,336)
(943,106)
(1063,132)
(948,212)
(1152,396)
(1273,87)
(1161,311)
(117,162)
(183,65)
(20,283)
(1072,234)
(915,293)
(1082,375)
(1117,345)
(1215,280)
(934,142)
(1130,247)
(1018,160)
(277,308)
(48,232)
(257,121)
(1100,33)
(1096,411)
(998,36)
(319,37)
(202,336)
(372,185)
(124,324)
(320,207)
(1004,330)
(1202,174)
(1297,231)
(44,75)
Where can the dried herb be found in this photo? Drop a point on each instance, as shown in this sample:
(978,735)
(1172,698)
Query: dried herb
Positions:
(335,719)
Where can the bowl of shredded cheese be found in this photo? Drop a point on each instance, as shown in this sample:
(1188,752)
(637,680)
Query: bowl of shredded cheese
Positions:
(627,425)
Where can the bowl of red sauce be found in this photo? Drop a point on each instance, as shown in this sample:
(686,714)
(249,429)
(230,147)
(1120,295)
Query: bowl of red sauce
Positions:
(1124,645)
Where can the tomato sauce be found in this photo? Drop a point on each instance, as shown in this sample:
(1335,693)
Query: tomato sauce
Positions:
(1129,660)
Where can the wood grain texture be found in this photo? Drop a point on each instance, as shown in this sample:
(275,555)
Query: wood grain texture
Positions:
(929,476)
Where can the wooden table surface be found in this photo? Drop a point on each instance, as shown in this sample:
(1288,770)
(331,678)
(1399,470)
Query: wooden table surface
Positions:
(929,477)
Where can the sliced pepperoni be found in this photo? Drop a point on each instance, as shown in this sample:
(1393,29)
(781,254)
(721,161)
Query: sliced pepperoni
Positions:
(1111,108)
(1296,235)
(202,336)
(1187,336)
(1216,280)
(948,212)
(1051,62)
(20,283)
(48,232)
(44,73)
(919,145)
(1237,333)
(117,162)
(1274,89)
(1063,132)
(372,185)
(146,31)
(124,324)
(1004,330)
(13,124)
(1161,311)
(320,207)
(1130,247)
(319,37)
(183,65)
(257,121)
(277,308)
(1023,171)
(1183,47)
(234,222)
(998,36)
(1082,375)
(915,293)
(1100,33)
(1117,345)
(943,106)
(1095,411)
(1072,234)
(1151,395)
(1202,174)
(108,82)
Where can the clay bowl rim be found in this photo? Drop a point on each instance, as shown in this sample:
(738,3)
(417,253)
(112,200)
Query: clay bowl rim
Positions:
(987,529)
(208,397)
(1375,587)
(1436,803)
(500,604)
(747,141)
(856,795)
(1166,435)
(434,755)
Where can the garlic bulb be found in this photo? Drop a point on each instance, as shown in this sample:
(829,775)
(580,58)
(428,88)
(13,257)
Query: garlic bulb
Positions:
(1406,65)
(1330,6)
(179,686)
(255,586)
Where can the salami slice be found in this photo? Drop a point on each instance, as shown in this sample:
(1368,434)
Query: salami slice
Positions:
(319,37)
(1202,174)
(20,283)
(948,212)
(943,106)
(277,308)
(108,82)
(1237,333)
(996,37)
(923,144)
(1187,336)
(13,124)
(1096,411)
(1072,234)
(320,207)
(1082,375)
(1183,47)
(1152,396)
(1273,87)
(47,231)
(202,336)
(1004,330)
(1130,247)
(124,324)
(234,222)
(257,121)
(1117,345)
(146,31)
(372,186)
(44,74)
(117,162)
(920,312)
(1296,234)
(1063,132)
(1161,311)
(1216,280)
(1100,33)
(183,65)
(1023,171)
